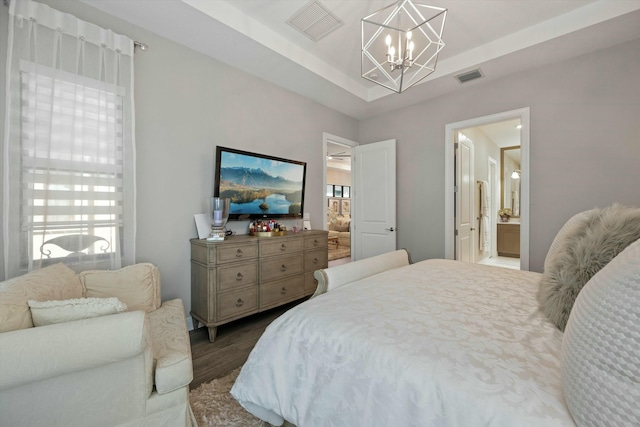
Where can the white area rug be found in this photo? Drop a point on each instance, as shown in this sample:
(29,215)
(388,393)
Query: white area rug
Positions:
(213,405)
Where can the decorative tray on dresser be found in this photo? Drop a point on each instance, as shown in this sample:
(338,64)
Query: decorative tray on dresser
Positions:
(243,275)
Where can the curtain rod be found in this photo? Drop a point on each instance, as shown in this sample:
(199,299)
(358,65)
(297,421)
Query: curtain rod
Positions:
(142,46)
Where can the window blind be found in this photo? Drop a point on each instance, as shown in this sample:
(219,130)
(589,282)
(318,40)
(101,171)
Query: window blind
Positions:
(72,156)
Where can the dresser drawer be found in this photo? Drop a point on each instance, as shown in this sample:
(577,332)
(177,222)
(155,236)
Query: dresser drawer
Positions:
(280,267)
(237,275)
(238,303)
(273,247)
(224,253)
(315,242)
(315,260)
(281,291)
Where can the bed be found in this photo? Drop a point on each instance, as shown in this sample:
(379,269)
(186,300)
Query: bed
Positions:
(384,342)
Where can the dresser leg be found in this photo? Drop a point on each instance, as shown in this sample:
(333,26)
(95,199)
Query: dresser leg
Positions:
(196,323)
(212,333)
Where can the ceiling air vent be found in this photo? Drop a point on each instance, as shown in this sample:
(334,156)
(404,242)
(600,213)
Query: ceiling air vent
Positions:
(469,75)
(314,21)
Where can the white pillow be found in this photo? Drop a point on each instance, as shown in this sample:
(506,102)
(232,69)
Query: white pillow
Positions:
(58,311)
(601,346)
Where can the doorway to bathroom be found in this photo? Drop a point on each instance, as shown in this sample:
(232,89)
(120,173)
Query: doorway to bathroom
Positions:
(487,169)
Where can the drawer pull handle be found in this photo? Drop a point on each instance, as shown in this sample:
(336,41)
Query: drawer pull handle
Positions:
(283,247)
(239,277)
(283,268)
(239,253)
(283,291)
(315,260)
(315,242)
(239,303)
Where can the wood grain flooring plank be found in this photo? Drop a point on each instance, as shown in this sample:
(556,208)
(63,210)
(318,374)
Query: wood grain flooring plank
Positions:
(231,348)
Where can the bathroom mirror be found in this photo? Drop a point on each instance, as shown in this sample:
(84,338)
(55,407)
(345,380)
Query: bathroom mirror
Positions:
(510,179)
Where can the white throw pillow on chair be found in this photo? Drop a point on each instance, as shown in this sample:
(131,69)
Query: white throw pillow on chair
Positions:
(58,311)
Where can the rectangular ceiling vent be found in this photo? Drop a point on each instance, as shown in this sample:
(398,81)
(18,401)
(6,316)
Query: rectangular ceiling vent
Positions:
(314,20)
(469,75)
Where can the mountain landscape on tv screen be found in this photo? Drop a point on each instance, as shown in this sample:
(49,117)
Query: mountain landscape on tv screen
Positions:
(257,178)
(255,191)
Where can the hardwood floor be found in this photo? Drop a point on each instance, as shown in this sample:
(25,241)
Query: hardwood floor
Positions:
(233,343)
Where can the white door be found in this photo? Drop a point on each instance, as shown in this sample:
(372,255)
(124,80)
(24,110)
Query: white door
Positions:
(464,212)
(374,201)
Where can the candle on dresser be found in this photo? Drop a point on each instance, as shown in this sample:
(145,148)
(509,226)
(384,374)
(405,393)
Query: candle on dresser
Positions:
(217,218)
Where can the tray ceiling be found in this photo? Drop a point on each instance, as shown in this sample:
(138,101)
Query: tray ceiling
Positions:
(498,36)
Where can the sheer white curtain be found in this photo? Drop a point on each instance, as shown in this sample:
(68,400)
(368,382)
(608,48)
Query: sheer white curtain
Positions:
(69,191)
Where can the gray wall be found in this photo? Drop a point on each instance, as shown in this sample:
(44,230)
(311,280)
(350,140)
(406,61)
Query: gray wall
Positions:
(585,150)
(584,141)
(186,104)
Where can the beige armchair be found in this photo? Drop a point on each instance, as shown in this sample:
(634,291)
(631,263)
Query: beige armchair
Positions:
(132,368)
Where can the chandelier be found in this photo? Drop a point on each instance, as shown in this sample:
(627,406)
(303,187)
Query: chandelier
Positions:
(400,44)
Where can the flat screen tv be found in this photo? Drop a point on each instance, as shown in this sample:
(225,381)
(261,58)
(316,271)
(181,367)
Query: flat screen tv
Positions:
(259,186)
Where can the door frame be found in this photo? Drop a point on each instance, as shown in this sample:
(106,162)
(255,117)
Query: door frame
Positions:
(492,167)
(450,129)
(338,140)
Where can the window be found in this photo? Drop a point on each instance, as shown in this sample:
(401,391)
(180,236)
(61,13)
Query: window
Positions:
(72,180)
(69,143)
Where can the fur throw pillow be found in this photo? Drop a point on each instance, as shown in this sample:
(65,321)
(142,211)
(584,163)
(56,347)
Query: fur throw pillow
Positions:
(585,250)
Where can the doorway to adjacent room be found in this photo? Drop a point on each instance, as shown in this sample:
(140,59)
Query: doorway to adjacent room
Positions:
(474,199)
(338,180)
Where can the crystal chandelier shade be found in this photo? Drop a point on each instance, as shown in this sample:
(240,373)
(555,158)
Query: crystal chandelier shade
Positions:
(400,44)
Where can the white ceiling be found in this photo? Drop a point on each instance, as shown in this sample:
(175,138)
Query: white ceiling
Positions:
(338,156)
(499,36)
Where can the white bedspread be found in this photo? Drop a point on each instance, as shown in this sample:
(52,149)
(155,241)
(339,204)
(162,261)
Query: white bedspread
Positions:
(436,343)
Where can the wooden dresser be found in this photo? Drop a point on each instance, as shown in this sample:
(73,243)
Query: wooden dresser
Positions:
(244,275)
(509,239)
